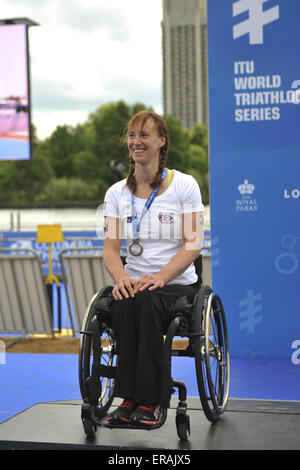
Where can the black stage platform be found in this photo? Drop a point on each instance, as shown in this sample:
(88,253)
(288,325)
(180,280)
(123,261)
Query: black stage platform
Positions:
(246,425)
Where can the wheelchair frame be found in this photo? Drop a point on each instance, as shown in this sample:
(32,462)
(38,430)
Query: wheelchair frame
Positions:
(203,322)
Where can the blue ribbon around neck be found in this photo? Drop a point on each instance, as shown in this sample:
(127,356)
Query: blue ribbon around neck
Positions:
(135,223)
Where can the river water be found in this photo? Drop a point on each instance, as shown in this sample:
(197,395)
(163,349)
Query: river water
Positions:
(71,219)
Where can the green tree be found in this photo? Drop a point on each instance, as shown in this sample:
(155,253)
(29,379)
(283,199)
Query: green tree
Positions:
(71,190)
(74,163)
(63,143)
(25,181)
(109,145)
(85,165)
(198,158)
(178,144)
(199,136)
(59,147)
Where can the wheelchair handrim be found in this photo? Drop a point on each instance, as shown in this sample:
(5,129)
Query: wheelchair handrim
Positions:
(219,390)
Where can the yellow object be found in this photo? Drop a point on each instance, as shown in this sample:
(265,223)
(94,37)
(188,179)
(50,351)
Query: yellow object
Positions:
(50,234)
(64,332)
(40,335)
(169,177)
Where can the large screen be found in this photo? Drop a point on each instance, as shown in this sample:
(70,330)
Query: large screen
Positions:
(15,138)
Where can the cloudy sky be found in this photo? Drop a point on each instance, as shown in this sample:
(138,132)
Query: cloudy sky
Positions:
(88,53)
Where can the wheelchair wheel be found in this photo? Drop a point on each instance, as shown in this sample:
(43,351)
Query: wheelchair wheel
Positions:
(183,426)
(107,358)
(89,427)
(211,353)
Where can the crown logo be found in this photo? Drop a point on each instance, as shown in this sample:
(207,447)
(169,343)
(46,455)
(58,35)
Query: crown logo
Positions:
(246,188)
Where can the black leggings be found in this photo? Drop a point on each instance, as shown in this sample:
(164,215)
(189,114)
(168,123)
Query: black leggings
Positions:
(139,325)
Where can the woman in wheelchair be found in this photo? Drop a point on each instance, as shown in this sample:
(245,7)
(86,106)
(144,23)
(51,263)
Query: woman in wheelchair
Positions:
(159,213)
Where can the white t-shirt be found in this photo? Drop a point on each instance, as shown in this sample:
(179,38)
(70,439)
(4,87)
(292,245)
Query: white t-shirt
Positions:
(160,229)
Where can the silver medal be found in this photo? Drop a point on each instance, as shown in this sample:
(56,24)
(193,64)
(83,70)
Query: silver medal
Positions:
(135,248)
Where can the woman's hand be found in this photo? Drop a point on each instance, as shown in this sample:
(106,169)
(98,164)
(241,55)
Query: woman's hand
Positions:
(124,286)
(151,281)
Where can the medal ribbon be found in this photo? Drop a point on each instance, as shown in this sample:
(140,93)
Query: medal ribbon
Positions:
(135,223)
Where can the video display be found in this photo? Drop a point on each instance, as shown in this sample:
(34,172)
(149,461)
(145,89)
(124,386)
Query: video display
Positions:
(15,138)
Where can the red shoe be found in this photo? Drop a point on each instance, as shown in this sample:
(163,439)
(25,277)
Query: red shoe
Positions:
(148,415)
(123,413)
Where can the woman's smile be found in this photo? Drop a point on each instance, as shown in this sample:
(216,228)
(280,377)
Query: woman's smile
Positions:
(144,141)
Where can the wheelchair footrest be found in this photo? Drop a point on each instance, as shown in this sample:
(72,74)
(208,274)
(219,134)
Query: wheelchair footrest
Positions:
(140,426)
(89,411)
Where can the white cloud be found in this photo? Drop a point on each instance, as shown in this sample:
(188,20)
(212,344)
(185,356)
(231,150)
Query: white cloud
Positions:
(95,15)
(86,54)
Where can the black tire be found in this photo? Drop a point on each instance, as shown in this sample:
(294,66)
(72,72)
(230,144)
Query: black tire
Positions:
(89,427)
(211,349)
(183,427)
(85,359)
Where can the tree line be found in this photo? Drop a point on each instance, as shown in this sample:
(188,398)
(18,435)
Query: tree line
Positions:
(75,165)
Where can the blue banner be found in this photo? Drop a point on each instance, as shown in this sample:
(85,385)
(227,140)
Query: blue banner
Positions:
(254,93)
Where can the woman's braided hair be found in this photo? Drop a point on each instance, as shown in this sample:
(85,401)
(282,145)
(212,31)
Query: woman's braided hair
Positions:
(162,130)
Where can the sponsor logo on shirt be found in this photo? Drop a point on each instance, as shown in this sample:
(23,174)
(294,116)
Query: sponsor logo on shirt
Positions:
(166,218)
